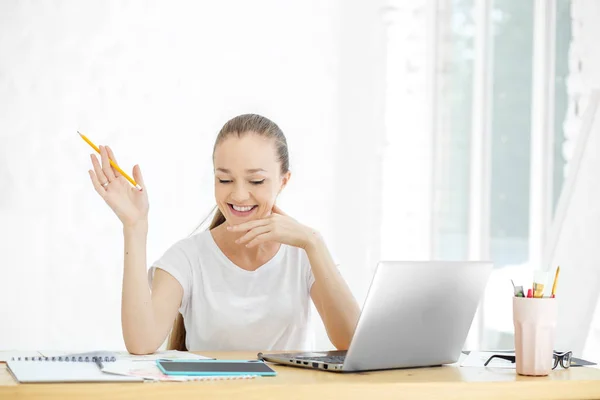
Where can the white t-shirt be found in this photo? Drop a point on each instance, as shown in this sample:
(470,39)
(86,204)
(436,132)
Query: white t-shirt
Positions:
(228,308)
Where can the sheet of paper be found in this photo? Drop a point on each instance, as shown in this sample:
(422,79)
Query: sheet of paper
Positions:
(478,358)
(61,353)
(148,370)
(125,356)
(45,371)
(165,355)
(9,355)
(143,369)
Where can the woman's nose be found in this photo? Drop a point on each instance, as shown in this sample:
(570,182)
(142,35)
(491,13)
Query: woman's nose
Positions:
(240,194)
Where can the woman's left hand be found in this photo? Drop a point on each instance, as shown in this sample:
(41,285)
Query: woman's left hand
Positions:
(277,227)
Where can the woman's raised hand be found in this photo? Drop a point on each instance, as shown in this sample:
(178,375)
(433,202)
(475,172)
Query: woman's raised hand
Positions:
(130,204)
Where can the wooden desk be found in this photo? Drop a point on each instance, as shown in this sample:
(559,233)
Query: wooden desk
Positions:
(431,383)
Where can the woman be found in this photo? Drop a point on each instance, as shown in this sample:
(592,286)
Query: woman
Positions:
(244,284)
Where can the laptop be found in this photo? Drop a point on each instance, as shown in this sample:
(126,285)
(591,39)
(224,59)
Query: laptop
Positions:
(416,314)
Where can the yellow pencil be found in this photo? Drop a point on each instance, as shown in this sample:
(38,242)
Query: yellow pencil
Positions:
(555,280)
(114,164)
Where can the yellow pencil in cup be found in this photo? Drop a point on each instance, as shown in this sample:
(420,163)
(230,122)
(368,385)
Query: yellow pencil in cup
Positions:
(112,163)
(555,281)
(539,282)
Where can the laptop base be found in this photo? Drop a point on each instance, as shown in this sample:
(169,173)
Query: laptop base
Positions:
(327,360)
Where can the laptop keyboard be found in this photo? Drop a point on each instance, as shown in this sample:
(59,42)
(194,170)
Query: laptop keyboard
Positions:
(325,359)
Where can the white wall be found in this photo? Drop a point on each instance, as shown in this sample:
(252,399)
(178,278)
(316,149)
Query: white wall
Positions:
(573,243)
(357,183)
(584,77)
(584,67)
(156,80)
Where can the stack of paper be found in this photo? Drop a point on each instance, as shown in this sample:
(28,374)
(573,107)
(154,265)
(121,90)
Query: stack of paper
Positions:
(48,371)
(118,355)
(61,366)
(148,370)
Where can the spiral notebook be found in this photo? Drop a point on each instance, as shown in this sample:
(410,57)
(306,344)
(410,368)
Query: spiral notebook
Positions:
(75,368)
(101,367)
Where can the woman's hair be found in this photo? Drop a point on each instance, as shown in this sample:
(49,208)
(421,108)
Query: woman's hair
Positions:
(238,126)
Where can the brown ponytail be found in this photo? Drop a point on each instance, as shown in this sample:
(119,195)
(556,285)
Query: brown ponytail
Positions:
(240,125)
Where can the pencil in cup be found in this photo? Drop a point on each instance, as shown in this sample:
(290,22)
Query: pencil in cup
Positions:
(555,281)
(112,163)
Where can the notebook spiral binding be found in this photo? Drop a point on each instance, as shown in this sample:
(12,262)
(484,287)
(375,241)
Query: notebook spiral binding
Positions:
(67,359)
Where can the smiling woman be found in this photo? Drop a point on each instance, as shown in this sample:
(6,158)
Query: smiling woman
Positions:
(245,283)
(251,167)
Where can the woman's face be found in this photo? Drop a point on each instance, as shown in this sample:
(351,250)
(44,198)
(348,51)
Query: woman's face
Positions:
(247,177)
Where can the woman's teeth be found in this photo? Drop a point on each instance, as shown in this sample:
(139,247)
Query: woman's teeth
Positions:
(242,209)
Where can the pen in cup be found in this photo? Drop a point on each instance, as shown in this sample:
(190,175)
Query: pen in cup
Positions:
(555,281)
(518,290)
(539,283)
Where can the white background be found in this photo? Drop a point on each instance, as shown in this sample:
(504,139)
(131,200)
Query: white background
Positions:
(156,80)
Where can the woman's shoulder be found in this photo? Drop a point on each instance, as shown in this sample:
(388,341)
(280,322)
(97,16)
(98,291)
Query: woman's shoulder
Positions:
(194,244)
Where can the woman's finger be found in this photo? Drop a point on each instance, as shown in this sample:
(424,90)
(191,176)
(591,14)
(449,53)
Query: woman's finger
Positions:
(254,233)
(98,171)
(246,226)
(112,157)
(137,176)
(106,167)
(101,191)
(265,237)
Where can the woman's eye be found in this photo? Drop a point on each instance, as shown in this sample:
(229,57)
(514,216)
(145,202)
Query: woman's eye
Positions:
(257,182)
(224,181)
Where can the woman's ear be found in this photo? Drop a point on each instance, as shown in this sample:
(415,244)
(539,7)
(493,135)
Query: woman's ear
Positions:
(284,181)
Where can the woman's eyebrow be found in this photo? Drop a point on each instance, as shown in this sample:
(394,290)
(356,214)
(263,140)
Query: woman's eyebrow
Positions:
(249,171)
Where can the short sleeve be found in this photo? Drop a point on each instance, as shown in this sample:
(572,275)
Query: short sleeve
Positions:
(308,273)
(309,277)
(177,262)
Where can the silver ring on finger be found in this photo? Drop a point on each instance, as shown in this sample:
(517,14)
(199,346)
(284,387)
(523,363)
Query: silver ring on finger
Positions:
(105,184)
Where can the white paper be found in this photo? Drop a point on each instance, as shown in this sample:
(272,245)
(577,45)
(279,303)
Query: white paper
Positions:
(160,355)
(44,371)
(478,358)
(125,356)
(148,370)
(62,353)
(9,355)
(142,369)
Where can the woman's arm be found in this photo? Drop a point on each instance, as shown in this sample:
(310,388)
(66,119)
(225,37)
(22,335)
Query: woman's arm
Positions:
(330,293)
(332,297)
(146,316)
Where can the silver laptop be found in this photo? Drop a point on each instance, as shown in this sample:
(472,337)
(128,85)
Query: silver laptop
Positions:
(416,314)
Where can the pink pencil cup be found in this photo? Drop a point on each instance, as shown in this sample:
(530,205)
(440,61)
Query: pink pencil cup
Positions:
(535,326)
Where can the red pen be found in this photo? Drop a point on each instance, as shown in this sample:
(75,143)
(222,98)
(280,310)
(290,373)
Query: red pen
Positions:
(529,293)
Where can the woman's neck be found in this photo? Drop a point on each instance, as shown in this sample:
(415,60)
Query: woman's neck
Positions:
(244,257)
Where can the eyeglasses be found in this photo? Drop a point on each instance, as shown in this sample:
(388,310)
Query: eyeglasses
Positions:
(564,359)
